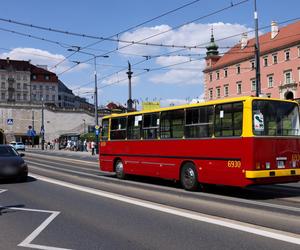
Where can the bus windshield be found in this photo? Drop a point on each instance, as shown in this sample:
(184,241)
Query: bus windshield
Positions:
(275,118)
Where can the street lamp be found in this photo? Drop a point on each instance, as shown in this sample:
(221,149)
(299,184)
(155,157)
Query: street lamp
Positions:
(42,126)
(96,89)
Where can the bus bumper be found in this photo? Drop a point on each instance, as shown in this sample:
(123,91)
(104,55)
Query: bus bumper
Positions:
(272,173)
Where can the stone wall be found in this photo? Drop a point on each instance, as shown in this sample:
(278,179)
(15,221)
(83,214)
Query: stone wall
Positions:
(56,122)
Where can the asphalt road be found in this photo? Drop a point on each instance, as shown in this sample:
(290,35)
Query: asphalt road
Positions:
(67,203)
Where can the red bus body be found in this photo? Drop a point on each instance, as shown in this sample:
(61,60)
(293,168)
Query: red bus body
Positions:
(163,158)
(234,161)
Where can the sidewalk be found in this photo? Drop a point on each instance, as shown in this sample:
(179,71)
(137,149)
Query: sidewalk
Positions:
(62,151)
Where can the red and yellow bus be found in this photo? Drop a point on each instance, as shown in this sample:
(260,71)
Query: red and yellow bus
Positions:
(237,142)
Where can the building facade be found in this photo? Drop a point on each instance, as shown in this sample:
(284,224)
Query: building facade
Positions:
(24,83)
(233,74)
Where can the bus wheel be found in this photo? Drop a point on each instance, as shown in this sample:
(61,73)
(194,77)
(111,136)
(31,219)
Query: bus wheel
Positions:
(119,168)
(188,177)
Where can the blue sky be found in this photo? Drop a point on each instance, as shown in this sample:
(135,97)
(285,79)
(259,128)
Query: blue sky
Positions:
(178,84)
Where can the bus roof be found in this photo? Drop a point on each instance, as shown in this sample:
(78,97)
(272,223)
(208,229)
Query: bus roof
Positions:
(213,102)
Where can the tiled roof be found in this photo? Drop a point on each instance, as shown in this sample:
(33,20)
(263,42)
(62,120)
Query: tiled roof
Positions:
(287,36)
(40,73)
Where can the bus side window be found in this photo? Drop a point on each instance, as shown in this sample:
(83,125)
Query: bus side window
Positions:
(118,128)
(229,119)
(150,126)
(134,125)
(171,124)
(104,130)
(199,122)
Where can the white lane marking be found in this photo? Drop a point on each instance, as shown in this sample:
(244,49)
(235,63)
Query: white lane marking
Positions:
(240,200)
(245,227)
(3,190)
(38,230)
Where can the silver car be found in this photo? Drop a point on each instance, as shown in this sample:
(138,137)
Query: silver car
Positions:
(18,145)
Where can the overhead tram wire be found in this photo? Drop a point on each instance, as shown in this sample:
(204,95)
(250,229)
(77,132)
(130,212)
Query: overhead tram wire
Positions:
(187,47)
(224,38)
(130,43)
(135,26)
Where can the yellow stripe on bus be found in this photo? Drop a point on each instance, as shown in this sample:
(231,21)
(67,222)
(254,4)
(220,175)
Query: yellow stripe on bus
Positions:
(272,173)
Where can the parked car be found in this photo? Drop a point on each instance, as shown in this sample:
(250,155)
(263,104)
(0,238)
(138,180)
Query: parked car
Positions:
(18,145)
(12,165)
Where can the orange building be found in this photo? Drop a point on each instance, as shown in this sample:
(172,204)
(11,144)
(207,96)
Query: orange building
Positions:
(233,74)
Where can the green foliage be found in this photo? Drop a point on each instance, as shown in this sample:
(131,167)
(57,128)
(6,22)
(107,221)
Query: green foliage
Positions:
(88,137)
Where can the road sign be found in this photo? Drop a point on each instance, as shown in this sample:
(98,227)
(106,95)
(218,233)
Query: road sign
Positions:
(10,121)
(31,133)
(97,131)
(97,127)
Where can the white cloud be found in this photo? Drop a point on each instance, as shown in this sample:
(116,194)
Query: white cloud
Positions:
(190,35)
(43,57)
(189,72)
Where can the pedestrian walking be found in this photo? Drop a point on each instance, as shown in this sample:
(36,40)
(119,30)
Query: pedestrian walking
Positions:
(93,144)
(85,145)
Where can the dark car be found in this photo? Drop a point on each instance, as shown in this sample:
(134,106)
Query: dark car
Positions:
(12,165)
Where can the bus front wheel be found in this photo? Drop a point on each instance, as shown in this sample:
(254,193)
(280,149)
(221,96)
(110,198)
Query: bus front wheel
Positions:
(119,168)
(189,177)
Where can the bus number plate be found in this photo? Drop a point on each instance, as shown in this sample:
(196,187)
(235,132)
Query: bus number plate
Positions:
(234,164)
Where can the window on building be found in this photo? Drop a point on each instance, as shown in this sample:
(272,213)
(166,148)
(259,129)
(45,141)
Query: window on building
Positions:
(275,58)
(25,97)
(34,97)
(226,90)
(238,69)
(210,77)
(18,85)
(3,77)
(3,96)
(287,55)
(33,77)
(171,124)
(288,77)
(228,119)
(47,97)
(150,126)
(265,61)
(53,97)
(199,122)
(270,81)
(239,88)
(18,97)
(218,92)
(217,75)
(47,87)
(252,64)
(210,91)
(225,73)
(18,77)
(25,86)
(118,128)
(24,77)
(3,85)
(47,77)
(53,88)
(34,87)
(253,84)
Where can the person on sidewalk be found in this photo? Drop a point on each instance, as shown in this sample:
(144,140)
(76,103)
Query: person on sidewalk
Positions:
(93,144)
(85,145)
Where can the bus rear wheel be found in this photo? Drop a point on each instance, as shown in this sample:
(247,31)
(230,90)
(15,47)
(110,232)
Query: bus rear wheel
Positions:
(189,177)
(119,168)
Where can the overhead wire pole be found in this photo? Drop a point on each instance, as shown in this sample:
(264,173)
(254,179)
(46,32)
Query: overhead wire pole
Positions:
(257,53)
(78,50)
